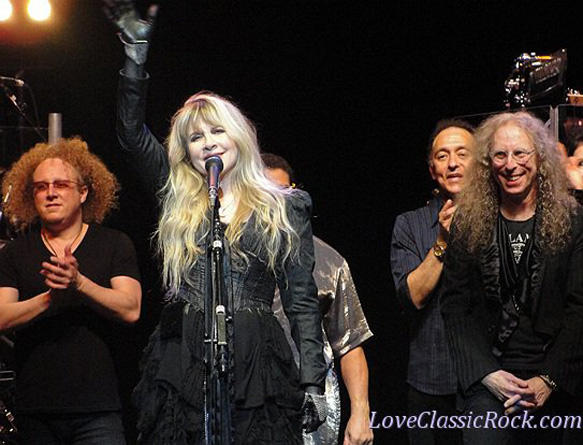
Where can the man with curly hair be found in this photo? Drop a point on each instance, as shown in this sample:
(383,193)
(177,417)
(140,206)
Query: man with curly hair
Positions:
(65,284)
(512,285)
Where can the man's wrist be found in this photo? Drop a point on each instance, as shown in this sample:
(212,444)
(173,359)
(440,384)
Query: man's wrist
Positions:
(359,409)
(439,250)
(80,282)
(46,300)
(548,381)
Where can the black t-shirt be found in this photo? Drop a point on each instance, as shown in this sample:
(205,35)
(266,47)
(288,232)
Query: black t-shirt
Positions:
(64,361)
(524,349)
(519,235)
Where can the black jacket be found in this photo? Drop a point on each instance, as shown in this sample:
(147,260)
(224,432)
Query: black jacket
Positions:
(150,161)
(471,305)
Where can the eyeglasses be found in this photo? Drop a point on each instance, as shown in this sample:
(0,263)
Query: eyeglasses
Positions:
(61,184)
(520,156)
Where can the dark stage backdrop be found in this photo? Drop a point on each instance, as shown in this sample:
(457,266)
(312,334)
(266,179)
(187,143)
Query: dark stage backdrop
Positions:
(347,91)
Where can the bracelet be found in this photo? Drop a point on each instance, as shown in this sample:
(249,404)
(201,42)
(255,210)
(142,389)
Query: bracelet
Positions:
(137,51)
(548,381)
(123,38)
(439,249)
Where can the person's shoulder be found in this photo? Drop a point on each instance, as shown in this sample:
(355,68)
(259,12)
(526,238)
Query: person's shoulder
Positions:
(299,201)
(325,252)
(24,237)
(9,247)
(102,232)
(299,196)
(423,212)
(410,213)
(326,249)
(23,243)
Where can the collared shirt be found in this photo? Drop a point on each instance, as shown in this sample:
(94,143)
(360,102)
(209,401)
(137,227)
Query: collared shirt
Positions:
(431,368)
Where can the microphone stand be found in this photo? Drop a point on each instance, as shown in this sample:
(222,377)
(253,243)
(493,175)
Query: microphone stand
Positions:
(218,403)
(22,116)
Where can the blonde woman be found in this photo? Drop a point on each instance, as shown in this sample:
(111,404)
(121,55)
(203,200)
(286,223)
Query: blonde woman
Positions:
(268,242)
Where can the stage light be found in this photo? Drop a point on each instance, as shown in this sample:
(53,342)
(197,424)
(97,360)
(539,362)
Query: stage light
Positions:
(5,10)
(39,10)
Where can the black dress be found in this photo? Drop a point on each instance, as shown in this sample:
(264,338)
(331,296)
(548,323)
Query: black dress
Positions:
(268,390)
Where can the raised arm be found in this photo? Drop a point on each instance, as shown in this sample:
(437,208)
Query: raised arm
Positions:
(134,33)
(140,148)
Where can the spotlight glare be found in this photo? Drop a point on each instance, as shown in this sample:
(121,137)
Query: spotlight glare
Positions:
(5,10)
(39,10)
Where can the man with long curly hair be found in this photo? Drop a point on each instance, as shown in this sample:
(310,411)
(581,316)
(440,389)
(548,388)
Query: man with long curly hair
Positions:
(64,283)
(417,251)
(512,287)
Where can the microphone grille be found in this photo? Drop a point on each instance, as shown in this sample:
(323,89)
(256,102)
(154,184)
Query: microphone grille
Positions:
(214,161)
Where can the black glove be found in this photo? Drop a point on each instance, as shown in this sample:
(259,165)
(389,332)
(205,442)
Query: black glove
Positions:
(314,409)
(134,32)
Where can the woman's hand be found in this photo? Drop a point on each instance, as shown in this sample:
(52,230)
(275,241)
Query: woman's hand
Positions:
(314,409)
(123,14)
(135,33)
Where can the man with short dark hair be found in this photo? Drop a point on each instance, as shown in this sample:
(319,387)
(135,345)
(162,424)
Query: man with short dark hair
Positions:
(418,249)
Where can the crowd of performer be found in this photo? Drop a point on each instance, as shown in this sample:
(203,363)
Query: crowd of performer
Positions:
(490,270)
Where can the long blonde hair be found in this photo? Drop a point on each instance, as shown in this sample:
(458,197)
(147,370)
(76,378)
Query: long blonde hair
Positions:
(479,202)
(185,219)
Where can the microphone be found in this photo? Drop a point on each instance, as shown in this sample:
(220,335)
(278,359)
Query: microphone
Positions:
(214,167)
(11,81)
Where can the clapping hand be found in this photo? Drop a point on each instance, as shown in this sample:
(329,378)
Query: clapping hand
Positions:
(445,217)
(63,278)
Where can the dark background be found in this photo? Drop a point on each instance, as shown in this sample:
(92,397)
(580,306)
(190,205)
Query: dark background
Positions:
(347,91)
